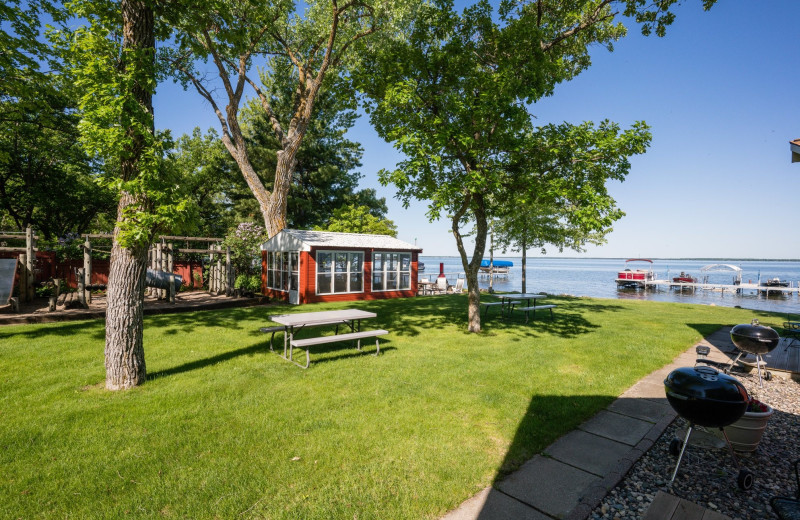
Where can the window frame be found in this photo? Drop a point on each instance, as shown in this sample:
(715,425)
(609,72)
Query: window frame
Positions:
(397,272)
(279,278)
(348,273)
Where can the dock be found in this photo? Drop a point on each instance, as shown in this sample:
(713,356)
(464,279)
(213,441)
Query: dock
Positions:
(736,288)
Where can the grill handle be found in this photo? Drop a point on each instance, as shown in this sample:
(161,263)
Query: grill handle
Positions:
(678,396)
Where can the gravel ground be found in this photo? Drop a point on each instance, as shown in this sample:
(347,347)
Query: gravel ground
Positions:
(708,476)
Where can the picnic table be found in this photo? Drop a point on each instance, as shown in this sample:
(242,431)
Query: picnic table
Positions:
(426,286)
(291,324)
(508,302)
(515,298)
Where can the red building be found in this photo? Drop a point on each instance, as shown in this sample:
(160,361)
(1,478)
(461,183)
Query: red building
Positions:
(322,266)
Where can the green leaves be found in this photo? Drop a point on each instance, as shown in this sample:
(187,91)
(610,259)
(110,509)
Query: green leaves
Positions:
(359,219)
(116,83)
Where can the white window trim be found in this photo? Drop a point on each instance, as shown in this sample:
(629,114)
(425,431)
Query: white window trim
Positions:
(398,271)
(333,272)
(282,272)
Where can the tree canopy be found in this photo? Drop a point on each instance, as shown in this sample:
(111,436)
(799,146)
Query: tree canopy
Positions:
(46,179)
(304,49)
(455,97)
(359,219)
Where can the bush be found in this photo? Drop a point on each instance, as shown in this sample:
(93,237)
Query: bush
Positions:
(250,283)
(244,242)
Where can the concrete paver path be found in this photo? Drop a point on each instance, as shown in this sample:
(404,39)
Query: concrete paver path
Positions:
(578,470)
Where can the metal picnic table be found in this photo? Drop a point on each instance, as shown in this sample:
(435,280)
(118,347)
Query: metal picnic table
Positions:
(294,323)
(510,299)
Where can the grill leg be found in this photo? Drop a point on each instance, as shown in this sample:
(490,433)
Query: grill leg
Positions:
(728,370)
(758,365)
(730,448)
(683,448)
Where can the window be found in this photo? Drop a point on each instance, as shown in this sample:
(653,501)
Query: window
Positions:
(282,270)
(391,271)
(340,272)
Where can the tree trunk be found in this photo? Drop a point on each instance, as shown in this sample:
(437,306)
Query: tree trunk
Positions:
(125,366)
(471,268)
(124,351)
(524,266)
(275,214)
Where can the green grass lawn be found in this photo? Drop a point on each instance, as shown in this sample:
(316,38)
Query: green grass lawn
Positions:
(224,428)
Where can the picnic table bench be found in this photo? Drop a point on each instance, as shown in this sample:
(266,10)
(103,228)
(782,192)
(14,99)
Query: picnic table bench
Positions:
(350,336)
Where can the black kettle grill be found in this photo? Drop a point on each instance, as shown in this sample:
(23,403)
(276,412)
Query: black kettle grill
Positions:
(754,339)
(705,397)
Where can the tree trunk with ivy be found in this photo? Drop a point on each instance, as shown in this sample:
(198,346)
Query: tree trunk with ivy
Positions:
(124,350)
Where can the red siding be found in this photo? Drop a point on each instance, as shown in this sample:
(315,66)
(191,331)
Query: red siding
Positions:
(308,279)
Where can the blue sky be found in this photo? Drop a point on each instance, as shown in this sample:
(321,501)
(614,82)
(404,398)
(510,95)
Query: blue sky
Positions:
(720,93)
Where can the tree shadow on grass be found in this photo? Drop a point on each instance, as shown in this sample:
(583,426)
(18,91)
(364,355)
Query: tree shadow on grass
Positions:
(350,353)
(96,328)
(205,362)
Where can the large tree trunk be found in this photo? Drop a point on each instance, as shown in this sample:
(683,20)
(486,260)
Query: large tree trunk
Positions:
(271,204)
(471,268)
(275,214)
(125,367)
(124,352)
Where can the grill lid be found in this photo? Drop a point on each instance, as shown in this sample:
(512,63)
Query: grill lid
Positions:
(754,338)
(705,383)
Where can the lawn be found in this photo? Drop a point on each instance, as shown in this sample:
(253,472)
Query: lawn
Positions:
(225,428)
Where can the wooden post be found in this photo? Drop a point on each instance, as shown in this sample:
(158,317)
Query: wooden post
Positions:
(30,246)
(87,267)
(228,273)
(171,271)
(212,273)
(219,269)
(151,261)
(23,277)
(82,288)
(160,266)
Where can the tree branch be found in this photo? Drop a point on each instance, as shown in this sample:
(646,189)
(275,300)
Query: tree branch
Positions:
(594,19)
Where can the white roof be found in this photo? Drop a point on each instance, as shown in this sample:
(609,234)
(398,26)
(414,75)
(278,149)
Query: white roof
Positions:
(299,240)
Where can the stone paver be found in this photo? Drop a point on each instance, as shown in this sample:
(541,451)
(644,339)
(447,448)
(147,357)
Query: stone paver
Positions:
(643,409)
(588,452)
(616,426)
(491,504)
(548,485)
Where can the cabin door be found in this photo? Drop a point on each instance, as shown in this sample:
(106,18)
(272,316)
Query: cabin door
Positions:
(294,278)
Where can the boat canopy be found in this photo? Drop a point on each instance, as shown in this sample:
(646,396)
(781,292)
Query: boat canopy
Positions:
(638,260)
(497,263)
(719,268)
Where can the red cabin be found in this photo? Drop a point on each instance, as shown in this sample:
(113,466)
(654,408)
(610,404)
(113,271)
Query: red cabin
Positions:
(322,266)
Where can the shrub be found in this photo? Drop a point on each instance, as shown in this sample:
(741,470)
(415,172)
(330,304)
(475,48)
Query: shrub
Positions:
(244,242)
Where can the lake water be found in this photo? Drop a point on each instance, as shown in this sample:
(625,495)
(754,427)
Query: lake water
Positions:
(595,278)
